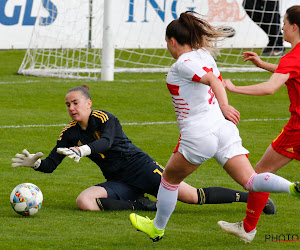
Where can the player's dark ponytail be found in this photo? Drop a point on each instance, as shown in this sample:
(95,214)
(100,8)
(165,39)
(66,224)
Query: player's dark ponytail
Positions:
(190,29)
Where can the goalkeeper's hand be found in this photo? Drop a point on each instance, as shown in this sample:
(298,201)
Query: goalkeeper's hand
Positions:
(75,152)
(27,160)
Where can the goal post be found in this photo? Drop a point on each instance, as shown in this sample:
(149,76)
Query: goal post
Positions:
(108,54)
(93,39)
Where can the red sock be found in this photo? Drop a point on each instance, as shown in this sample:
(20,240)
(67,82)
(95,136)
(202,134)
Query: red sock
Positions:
(255,205)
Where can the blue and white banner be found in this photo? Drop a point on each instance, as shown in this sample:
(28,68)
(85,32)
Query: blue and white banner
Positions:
(136,23)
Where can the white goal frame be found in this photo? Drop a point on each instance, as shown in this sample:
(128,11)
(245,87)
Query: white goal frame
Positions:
(104,60)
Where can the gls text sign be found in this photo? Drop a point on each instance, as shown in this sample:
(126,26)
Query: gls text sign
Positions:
(12,13)
(135,23)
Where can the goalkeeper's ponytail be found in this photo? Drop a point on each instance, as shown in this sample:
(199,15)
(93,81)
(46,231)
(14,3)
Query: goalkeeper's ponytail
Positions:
(84,89)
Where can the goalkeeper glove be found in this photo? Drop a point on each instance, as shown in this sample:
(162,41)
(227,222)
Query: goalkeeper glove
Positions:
(75,152)
(27,160)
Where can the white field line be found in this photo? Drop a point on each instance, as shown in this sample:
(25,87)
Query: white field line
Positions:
(133,123)
(133,81)
(14,82)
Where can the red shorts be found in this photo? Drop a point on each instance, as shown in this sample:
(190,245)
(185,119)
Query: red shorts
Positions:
(287,143)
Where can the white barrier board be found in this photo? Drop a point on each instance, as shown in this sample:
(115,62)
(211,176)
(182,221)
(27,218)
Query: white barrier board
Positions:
(137,23)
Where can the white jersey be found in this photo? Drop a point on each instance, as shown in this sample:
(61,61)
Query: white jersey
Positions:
(196,107)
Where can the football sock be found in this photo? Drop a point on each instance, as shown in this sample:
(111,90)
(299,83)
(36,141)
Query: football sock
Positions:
(218,195)
(255,205)
(112,204)
(268,182)
(166,202)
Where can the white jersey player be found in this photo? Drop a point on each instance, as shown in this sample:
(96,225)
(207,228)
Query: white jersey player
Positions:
(199,116)
(201,106)
(196,113)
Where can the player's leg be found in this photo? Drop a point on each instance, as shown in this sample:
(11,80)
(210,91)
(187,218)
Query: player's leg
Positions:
(260,183)
(242,175)
(176,170)
(141,203)
(240,169)
(113,196)
(87,198)
(271,161)
(251,181)
(209,195)
(230,155)
(150,180)
(216,195)
(189,194)
(121,196)
(284,148)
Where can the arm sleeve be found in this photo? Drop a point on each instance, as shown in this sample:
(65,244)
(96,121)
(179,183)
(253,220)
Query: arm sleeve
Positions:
(50,163)
(107,136)
(193,71)
(289,64)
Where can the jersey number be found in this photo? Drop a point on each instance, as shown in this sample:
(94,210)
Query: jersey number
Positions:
(157,171)
(211,94)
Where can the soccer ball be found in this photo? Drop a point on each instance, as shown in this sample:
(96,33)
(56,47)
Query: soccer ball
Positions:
(26,199)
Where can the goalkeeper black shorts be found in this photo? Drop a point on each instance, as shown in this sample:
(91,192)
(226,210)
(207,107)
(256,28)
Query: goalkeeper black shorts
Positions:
(147,180)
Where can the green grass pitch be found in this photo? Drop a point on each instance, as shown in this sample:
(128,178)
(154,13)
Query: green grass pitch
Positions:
(135,99)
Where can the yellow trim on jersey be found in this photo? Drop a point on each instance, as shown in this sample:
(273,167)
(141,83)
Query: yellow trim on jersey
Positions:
(278,135)
(159,165)
(101,115)
(157,171)
(71,124)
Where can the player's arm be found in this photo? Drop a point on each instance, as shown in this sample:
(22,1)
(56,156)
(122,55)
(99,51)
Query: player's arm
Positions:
(48,165)
(107,136)
(107,133)
(25,159)
(264,88)
(255,59)
(229,112)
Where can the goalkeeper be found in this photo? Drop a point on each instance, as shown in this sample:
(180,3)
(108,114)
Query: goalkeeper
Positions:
(130,172)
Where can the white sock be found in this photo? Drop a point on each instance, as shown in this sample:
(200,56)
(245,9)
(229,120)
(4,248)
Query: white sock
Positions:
(166,202)
(271,183)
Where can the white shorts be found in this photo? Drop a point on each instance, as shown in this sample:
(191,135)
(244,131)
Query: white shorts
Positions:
(222,144)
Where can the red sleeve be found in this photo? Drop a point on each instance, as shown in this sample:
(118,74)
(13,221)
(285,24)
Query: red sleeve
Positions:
(289,64)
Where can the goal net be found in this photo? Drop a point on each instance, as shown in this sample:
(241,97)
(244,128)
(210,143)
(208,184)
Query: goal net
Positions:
(93,39)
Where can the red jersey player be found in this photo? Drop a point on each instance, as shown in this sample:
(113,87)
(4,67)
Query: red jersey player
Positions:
(286,146)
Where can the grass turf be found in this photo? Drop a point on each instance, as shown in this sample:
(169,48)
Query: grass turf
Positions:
(29,101)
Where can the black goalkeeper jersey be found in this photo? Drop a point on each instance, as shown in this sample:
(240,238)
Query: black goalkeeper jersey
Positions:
(118,158)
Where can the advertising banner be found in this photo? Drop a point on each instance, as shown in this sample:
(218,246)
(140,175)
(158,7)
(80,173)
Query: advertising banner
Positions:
(136,23)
